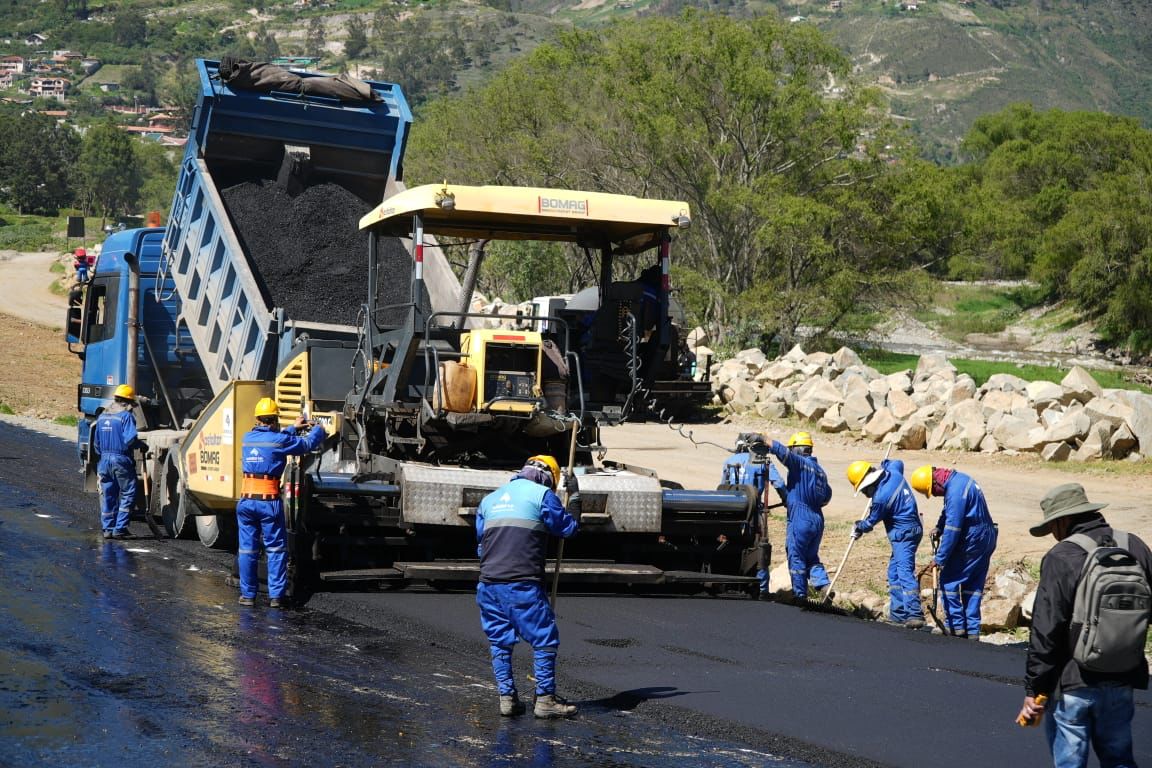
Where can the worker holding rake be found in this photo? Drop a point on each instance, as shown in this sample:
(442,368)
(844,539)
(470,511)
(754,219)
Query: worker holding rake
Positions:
(893,503)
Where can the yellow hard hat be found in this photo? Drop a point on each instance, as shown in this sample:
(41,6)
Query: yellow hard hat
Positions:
(267,407)
(921,480)
(858,472)
(800,438)
(552,465)
(125,392)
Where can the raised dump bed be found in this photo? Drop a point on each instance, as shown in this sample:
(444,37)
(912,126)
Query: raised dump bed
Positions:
(262,244)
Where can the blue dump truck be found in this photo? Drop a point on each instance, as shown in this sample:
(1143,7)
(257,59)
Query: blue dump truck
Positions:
(296,265)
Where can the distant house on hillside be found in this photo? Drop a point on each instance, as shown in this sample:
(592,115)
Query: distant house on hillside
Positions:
(49,87)
(13,65)
(90,65)
(6,80)
(35,39)
(109,87)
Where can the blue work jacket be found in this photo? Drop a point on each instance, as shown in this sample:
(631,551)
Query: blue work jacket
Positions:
(893,502)
(115,431)
(512,527)
(267,448)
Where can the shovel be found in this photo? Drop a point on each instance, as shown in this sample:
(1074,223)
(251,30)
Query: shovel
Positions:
(851,541)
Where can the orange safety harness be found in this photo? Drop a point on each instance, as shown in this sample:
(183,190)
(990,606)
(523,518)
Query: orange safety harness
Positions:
(260,487)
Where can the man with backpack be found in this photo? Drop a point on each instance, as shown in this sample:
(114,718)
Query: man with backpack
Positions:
(1089,627)
(808,493)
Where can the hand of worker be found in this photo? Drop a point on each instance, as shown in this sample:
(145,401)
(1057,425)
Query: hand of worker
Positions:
(1033,710)
(934,537)
(857,531)
(571,485)
(300,422)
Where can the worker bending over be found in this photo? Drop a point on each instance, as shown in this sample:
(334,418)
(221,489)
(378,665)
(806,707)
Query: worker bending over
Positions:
(967,539)
(115,439)
(749,465)
(808,494)
(260,511)
(893,503)
(512,527)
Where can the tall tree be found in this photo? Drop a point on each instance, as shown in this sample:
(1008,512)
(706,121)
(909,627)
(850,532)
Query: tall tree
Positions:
(316,39)
(37,155)
(109,177)
(357,40)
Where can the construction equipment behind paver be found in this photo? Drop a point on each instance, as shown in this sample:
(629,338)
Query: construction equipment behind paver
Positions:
(427,410)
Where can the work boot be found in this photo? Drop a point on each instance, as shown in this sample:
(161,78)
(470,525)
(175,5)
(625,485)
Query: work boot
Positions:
(550,706)
(125,534)
(247,600)
(107,534)
(914,623)
(276,602)
(510,705)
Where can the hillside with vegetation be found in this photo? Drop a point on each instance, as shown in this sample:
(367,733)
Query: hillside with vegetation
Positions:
(814,209)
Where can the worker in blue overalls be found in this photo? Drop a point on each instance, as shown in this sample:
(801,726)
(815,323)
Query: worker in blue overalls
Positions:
(512,525)
(808,494)
(967,539)
(260,512)
(894,504)
(749,465)
(115,440)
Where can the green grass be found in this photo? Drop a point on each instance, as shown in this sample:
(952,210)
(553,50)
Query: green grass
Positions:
(56,268)
(67,421)
(982,370)
(959,310)
(6,409)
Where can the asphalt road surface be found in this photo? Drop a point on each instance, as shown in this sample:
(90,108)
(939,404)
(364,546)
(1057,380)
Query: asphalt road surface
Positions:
(135,653)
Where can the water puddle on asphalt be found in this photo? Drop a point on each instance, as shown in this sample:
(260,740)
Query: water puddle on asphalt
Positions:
(134,657)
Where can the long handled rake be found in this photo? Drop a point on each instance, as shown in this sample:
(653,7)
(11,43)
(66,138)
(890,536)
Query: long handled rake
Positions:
(567,496)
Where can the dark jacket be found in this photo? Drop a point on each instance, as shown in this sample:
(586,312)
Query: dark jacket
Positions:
(1050,661)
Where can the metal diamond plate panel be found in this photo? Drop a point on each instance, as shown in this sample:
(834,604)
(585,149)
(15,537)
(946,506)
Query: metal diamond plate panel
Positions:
(634,502)
(435,494)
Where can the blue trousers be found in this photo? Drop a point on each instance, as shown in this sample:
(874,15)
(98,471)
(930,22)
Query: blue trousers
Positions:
(962,580)
(805,531)
(1099,717)
(118,483)
(903,589)
(519,610)
(262,520)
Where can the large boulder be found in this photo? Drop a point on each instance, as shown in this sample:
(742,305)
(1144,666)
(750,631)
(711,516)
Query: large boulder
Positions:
(881,423)
(1005,382)
(856,411)
(901,380)
(1080,384)
(1121,443)
(901,405)
(1107,409)
(911,436)
(777,372)
(742,395)
(773,409)
(1002,401)
(1017,434)
(1092,448)
(964,388)
(1056,452)
(817,398)
(795,355)
(1140,418)
(1072,425)
(934,364)
(1042,394)
(845,358)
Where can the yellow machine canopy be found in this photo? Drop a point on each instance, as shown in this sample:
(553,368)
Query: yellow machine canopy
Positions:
(595,219)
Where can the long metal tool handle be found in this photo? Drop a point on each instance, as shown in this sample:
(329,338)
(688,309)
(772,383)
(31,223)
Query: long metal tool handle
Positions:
(567,496)
(851,540)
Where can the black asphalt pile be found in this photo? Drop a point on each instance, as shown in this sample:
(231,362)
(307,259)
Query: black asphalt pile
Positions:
(309,254)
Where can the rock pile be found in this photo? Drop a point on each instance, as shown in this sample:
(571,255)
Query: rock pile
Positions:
(937,408)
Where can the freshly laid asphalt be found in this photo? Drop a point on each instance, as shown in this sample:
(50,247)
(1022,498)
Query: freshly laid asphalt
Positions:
(134,653)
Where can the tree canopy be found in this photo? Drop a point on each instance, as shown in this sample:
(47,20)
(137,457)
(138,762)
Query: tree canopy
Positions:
(756,124)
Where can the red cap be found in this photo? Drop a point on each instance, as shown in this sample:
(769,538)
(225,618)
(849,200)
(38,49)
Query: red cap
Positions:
(79,252)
